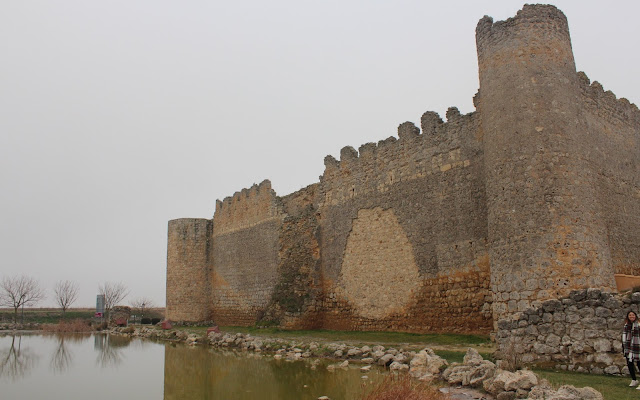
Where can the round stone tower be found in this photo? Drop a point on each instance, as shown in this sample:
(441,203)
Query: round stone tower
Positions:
(546,235)
(189,270)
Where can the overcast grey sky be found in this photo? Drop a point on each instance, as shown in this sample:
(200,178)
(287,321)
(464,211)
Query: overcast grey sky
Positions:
(117,116)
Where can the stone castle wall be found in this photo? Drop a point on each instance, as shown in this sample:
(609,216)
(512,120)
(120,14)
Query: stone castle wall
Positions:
(189,255)
(404,231)
(580,332)
(610,127)
(245,254)
(478,218)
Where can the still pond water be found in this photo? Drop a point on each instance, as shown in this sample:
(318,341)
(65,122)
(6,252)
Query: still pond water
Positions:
(100,366)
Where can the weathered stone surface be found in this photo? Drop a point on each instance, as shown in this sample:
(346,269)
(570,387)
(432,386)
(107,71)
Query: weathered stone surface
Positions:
(567,392)
(398,366)
(397,234)
(497,384)
(426,363)
(473,372)
(521,379)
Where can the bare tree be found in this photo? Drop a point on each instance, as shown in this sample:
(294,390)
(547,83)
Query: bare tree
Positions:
(141,304)
(19,292)
(66,293)
(113,293)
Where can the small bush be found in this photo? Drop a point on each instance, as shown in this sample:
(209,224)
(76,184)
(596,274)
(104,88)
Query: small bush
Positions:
(145,321)
(101,326)
(509,357)
(77,325)
(402,387)
(155,321)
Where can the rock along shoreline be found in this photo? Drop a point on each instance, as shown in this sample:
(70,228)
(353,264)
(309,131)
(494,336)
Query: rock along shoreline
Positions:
(474,373)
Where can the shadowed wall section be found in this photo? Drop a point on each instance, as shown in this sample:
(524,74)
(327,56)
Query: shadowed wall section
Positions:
(245,254)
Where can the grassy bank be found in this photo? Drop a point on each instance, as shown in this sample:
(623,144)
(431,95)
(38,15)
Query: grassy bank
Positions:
(611,387)
(46,315)
(451,347)
(356,337)
(367,337)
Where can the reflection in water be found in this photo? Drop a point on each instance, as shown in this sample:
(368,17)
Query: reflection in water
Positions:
(200,373)
(140,366)
(62,357)
(109,349)
(16,361)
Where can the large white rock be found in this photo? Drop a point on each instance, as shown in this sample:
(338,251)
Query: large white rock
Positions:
(426,363)
(496,385)
(567,392)
(473,372)
(398,366)
(472,357)
(521,380)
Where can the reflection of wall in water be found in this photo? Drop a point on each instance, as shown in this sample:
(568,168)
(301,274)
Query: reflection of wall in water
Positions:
(201,373)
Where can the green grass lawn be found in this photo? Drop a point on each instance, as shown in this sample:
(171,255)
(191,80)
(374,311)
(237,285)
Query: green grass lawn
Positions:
(451,347)
(611,387)
(365,337)
(46,316)
(457,356)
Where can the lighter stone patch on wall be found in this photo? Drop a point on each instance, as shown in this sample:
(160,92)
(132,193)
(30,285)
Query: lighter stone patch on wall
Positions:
(379,272)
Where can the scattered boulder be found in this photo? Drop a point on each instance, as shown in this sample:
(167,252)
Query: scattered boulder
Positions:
(398,366)
(426,364)
(385,360)
(522,379)
(473,372)
(544,391)
(496,385)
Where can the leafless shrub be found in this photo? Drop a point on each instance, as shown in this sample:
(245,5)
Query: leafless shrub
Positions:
(66,293)
(509,357)
(77,325)
(403,387)
(140,306)
(20,291)
(113,294)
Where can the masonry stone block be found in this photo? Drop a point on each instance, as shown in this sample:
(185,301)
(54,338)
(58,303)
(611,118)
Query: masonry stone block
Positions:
(526,206)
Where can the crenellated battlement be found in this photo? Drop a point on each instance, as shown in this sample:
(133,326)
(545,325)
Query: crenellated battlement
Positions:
(436,132)
(537,34)
(533,21)
(246,208)
(442,147)
(606,102)
(479,216)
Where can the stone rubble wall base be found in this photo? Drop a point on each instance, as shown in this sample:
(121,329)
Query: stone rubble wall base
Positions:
(582,333)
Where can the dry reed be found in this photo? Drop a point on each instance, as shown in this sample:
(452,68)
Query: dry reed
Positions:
(403,387)
(76,325)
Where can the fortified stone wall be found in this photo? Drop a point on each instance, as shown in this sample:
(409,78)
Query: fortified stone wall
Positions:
(581,332)
(613,144)
(403,231)
(245,254)
(478,219)
(189,269)
(295,299)
(547,234)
